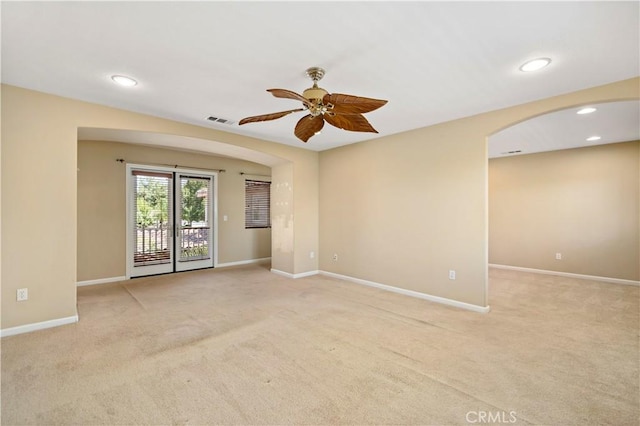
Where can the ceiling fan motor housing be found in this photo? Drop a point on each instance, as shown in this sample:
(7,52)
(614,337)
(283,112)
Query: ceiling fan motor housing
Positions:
(314,93)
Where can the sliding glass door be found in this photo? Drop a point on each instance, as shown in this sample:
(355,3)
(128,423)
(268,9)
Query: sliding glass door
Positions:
(193,222)
(170,221)
(152,226)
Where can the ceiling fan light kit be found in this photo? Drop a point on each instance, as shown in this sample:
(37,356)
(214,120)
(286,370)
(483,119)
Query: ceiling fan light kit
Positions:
(339,110)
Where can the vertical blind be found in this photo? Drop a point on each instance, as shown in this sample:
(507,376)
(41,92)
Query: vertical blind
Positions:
(257,211)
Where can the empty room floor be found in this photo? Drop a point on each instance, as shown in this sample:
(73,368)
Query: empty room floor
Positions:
(244,346)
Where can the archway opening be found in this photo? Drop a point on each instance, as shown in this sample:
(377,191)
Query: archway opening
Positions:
(102,195)
(564,202)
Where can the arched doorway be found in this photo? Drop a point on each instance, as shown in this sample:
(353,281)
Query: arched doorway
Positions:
(106,206)
(563,202)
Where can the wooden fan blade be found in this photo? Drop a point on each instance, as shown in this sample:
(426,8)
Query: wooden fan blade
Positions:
(308,126)
(348,104)
(267,117)
(288,94)
(353,122)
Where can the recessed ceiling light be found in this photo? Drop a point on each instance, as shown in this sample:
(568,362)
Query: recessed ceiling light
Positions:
(535,64)
(593,138)
(123,80)
(587,110)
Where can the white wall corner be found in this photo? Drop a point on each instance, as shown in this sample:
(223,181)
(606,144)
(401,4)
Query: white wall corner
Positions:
(300,275)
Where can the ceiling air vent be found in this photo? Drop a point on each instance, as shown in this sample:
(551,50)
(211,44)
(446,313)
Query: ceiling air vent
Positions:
(511,152)
(220,120)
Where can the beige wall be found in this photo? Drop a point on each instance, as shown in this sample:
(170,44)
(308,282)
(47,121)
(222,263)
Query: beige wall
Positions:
(381,233)
(102,205)
(39,195)
(583,203)
(403,210)
(282,218)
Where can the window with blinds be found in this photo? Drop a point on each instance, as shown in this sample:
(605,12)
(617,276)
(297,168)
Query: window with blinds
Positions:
(257,211)
(152,211)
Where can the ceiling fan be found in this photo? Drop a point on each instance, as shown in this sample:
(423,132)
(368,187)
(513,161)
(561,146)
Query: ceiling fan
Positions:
(339,110)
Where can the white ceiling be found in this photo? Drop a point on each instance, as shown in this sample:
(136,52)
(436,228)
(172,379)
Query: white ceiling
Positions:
(433,61)
(566,129)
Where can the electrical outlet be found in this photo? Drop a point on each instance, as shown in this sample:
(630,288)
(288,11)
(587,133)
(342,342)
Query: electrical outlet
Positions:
(335,257)
(22,294)
(452,274)
(312,255)
(558,256)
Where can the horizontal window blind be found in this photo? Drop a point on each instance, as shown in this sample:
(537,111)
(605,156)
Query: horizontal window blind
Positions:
(257,212)
(152,174)
(152,207)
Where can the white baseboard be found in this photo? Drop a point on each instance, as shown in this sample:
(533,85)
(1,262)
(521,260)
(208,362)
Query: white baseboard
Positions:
(100,281)
(243,262)
(27,328)
(300,275)
(425,296)
(567,274)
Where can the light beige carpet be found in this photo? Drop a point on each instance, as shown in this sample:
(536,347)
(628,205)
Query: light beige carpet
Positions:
(244,346)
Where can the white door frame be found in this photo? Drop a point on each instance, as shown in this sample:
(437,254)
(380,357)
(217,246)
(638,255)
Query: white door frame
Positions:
(130,221)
